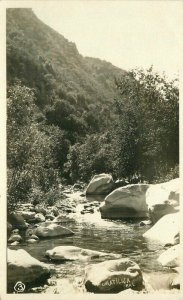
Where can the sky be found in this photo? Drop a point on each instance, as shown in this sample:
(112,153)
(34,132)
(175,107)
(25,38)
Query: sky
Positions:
(126,33)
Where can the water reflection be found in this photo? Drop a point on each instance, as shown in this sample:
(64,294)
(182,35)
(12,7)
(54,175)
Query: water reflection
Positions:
(92,232)
(115,237)
(98,198)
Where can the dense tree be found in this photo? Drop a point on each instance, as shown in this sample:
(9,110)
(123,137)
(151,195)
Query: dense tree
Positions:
(90,157)
(68,117)
(142,141)
(30,159)
(148,112)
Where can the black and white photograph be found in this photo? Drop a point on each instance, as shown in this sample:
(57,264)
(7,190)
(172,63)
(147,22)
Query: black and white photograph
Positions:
(93,148)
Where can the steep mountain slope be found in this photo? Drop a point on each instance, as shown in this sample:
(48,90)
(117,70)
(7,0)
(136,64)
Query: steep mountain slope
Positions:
(43,59)
(68,118)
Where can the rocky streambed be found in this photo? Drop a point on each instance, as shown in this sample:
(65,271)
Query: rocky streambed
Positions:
(93,242)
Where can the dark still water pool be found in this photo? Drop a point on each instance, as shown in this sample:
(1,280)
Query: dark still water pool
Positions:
(91,232)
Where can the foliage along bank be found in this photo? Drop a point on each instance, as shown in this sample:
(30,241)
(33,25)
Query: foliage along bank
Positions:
(71,117)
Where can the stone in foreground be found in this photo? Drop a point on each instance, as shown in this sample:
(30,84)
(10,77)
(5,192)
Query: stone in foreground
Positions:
(113,276)
(126,202)
(76,253)
(165,230)
(170,257)
(163,199)
(101,184)
(21,266)
(52,230)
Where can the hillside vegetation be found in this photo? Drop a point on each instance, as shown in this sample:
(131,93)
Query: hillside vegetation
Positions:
(70,117)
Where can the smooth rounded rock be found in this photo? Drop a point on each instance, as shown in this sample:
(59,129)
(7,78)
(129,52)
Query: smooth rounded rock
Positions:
(76,253)
(39,217)
(30,235)
(21,266)
(28,215)
(32,241)
(15,236)
(126,202)
(165,230)
(113,276)
(170,257)
(101,184)
(52,230)
(15,243)
(163,199)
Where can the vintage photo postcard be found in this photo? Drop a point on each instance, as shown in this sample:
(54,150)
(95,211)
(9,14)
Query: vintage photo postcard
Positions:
(91,164)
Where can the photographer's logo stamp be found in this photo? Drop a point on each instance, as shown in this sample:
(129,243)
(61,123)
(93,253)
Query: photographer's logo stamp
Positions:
(19,287)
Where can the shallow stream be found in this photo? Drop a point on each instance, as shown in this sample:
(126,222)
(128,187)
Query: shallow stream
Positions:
(92,232)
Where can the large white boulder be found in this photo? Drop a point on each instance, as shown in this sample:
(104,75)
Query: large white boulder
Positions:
(113,276)
(171,257)
(52,230)
(76,253)
(165,230)
(101,184)
(126,202)
(163,198)
(22,267)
